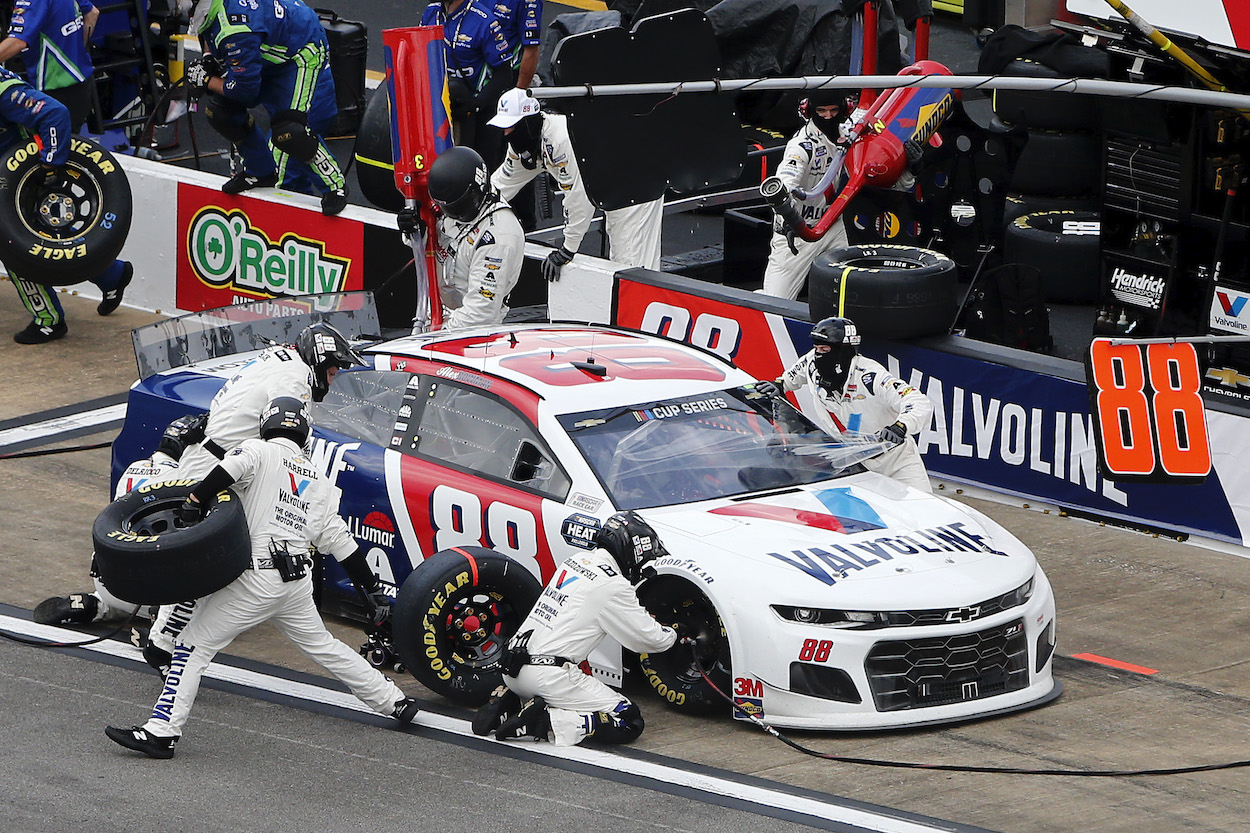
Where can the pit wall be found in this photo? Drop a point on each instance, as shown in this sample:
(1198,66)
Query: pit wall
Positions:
(1010,421)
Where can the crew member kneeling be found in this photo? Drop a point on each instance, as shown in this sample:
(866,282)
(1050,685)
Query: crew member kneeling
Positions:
(590,596)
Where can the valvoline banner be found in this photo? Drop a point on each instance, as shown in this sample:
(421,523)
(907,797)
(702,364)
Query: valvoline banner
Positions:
(1004,428)
(236,249)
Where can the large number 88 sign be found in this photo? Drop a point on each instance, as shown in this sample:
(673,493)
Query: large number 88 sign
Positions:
(1148,409)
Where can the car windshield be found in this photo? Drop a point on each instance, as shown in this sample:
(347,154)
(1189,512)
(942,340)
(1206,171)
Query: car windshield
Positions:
(711,445)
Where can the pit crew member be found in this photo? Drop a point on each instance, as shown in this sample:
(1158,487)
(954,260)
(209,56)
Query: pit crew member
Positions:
(304,372)
(100,605)
(290,508)
(481,244)
(859,396)
(539,141)
(479,68)
(50,116)
(274,54)
(590,596)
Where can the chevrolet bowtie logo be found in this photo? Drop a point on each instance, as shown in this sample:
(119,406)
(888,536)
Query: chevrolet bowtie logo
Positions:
(1228,376)
(963,614)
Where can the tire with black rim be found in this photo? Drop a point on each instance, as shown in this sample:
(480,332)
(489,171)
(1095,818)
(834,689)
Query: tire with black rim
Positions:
(146,556)
(64,227)
(675,675)
(455,614)
(1064,246)
(889,291)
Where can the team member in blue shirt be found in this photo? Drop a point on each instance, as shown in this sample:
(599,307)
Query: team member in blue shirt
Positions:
(55,33)
(522,22)
(273,53)
(479,57)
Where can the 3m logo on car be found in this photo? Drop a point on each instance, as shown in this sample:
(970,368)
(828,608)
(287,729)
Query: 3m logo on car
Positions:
(580,530)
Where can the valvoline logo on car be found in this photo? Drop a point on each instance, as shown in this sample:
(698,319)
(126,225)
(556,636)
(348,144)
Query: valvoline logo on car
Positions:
(580,530)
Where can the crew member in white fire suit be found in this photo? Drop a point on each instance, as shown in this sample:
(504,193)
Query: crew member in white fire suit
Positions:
(539,141)
(481,243)
(590,596)
(290,507)
(857,395)
(303,372)
(100,605)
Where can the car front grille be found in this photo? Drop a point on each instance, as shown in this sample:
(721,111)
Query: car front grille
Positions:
(916,673)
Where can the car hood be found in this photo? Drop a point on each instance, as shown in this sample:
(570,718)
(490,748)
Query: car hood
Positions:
(865,542)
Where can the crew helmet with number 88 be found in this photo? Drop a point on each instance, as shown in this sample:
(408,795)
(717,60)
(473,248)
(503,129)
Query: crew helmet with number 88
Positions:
(632,543)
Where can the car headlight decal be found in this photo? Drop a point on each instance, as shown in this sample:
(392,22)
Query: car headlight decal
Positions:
(873,619)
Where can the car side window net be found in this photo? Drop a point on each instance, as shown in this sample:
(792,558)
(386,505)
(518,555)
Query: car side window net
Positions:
(362,404)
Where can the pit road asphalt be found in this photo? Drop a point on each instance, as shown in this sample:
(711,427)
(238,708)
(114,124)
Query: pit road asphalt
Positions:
(277,746)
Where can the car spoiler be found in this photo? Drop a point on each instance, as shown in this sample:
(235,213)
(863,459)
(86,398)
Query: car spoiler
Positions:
(254,325)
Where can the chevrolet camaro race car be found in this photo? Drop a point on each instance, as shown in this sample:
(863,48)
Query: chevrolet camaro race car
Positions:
(471,463)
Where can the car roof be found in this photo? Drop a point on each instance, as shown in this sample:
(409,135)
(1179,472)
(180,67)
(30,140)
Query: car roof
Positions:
(575,367)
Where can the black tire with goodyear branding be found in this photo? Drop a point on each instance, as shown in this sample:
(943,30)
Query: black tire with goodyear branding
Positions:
(375,161)
(673,674)
(1017,205)
(454,615)
(1058,165)
(71,228)
(146,557)
(889,291)
(1064,246)
(1044,110)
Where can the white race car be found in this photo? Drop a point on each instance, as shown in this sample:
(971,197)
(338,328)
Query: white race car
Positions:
(471,463)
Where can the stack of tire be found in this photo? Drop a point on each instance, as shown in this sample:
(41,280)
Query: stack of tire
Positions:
(1052,205)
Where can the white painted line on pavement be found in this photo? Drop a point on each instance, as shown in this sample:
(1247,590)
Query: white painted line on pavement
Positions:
(61,425)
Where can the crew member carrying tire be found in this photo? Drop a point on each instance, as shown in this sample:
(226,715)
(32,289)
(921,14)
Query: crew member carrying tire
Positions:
(100,605)
(857,395)
(590,595)
(274,54)
(290,508)
(25,110)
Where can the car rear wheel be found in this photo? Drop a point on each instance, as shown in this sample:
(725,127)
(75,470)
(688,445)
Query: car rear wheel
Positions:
(674,674)
(455,614)
(146,556)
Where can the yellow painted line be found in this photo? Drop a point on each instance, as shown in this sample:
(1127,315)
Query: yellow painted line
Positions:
(374,75)
(585,5)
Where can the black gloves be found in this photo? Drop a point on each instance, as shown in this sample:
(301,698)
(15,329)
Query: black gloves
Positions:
(410,222)
(555,262)
(915,155)
(767,388)
(381,609)
(893,434)
(699,638)
(193,433)
(190,512)
(197,73)
(375,597)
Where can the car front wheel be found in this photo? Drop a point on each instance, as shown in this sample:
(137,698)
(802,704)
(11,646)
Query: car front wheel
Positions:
(687,679)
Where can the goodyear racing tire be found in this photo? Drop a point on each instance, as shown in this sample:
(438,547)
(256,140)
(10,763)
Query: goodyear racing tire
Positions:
(1064,246)
(1055,164)
(1017,205)
(673,674)
(890,291)
(375,168)
(455,613)
(68,228)
(1044,110)
(147,557)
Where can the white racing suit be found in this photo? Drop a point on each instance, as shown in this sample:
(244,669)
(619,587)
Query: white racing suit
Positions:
(288,501)
(234,416)
(870,400)
(633,232)
(480,263)
(585,600)
(807,158)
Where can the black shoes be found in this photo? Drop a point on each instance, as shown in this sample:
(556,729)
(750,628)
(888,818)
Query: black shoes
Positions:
(138,739)
(113,298)
(243,181)
(74,609)
(39,334)
(532,721)
(405,710)
(502,705)
(332,202)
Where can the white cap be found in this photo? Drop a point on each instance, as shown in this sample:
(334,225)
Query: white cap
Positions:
(514,105)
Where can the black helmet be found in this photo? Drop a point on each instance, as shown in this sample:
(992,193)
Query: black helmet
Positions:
(182,432)
(835,366)
(459,183)
(631,541)
(823,98)
(322,347)
(287,417)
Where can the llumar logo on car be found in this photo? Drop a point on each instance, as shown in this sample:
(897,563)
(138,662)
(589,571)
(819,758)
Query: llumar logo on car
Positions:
(225,249)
